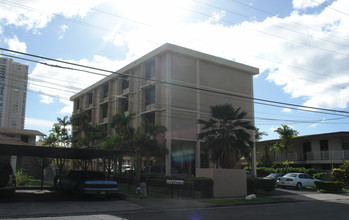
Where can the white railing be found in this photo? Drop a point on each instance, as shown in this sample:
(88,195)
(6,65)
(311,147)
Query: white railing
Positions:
(319,155)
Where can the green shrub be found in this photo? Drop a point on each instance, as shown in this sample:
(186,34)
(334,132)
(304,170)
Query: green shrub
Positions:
(338,174)
(264,171)
(267,185)
(251,185)
(22,178)
(329,186)
(319,175)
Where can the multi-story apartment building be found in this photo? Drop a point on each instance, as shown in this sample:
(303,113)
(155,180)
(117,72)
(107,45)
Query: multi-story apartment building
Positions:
(318,151)
(13,93)
(172,86)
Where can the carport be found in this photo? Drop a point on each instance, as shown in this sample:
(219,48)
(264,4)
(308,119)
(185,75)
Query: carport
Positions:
(61,154)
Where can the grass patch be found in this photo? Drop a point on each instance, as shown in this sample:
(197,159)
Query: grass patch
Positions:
(232,201)
(132,194)
(344,190)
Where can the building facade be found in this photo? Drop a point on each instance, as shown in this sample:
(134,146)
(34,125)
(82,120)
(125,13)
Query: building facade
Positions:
(319,151)
(13,93)
(172,86)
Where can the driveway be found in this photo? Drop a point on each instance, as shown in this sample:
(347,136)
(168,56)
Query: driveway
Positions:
(311,195)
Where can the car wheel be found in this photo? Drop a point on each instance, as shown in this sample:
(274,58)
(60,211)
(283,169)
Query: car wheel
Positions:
(299,186)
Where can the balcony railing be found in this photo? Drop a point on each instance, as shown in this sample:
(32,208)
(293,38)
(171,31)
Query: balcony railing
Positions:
(309,156)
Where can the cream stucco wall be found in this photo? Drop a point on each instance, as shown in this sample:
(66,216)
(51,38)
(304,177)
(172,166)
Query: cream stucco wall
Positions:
(226,182)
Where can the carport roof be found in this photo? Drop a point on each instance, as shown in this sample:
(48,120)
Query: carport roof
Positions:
(58,152)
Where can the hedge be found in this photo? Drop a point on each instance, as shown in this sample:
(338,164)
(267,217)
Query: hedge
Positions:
(265,184)
(264,171)
(329,186)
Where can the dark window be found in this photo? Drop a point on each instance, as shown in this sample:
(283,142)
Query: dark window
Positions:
(25,138)
(324,145)
(105,111)
(90,97)
(125,82)
(150,70)
(306,149)
(150,96)
(77,104)
(124,104)
(345,145)
(150,117)
(105,91)
(89,115)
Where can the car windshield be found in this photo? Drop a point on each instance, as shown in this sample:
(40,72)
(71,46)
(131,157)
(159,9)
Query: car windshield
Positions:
(291,175)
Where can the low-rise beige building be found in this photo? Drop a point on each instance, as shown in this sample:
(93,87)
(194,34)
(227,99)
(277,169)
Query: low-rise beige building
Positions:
(319,151)
(172,86)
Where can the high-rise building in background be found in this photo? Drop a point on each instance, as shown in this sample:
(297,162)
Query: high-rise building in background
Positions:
(13,93)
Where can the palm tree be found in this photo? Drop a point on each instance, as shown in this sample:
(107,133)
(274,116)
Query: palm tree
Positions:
(227,134)
(258,134)
(286,134)
(150,139)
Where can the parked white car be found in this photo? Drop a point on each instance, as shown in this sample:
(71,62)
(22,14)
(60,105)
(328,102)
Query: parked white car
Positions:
(298,180)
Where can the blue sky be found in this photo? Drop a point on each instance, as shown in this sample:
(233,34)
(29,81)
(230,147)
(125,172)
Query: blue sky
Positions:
(301,48)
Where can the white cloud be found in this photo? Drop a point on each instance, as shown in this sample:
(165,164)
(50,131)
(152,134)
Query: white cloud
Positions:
(61,31)
(286,110)
(303,4)
(35,14)
(43,126)
(46,99)
(15,44)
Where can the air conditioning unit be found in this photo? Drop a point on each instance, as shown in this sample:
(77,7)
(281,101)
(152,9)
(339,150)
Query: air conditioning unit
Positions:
(105,99)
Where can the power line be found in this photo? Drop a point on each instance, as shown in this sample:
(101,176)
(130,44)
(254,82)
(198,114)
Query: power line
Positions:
(265,101)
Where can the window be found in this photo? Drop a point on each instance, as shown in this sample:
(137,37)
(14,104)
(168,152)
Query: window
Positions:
(25,138)
(124,103)
(105,90)
(125,82)
(345,145)
(77,104)
(105,110)
(150,96)
(324,145)
(89,98)
(324,149)
(150,69)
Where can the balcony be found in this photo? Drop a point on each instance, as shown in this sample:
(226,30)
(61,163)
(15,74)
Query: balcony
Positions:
(125,91)
(105,120)
(149,107)
(311,157)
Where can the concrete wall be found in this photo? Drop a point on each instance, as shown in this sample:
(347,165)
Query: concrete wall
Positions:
(226,182)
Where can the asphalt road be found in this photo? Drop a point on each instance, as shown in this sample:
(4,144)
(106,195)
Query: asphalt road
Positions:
(48,205)
(299,210)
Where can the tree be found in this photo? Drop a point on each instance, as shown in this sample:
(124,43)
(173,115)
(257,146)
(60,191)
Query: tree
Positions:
(150,140)
(59,136)
(286,134)
(227,134)
(258,134)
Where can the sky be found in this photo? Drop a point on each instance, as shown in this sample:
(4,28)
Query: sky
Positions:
(301,48)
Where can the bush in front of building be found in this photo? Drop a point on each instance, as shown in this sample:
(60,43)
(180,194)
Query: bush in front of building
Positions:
(329,186)
(264,171)
(338,174)
(22,178)
(265,184)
